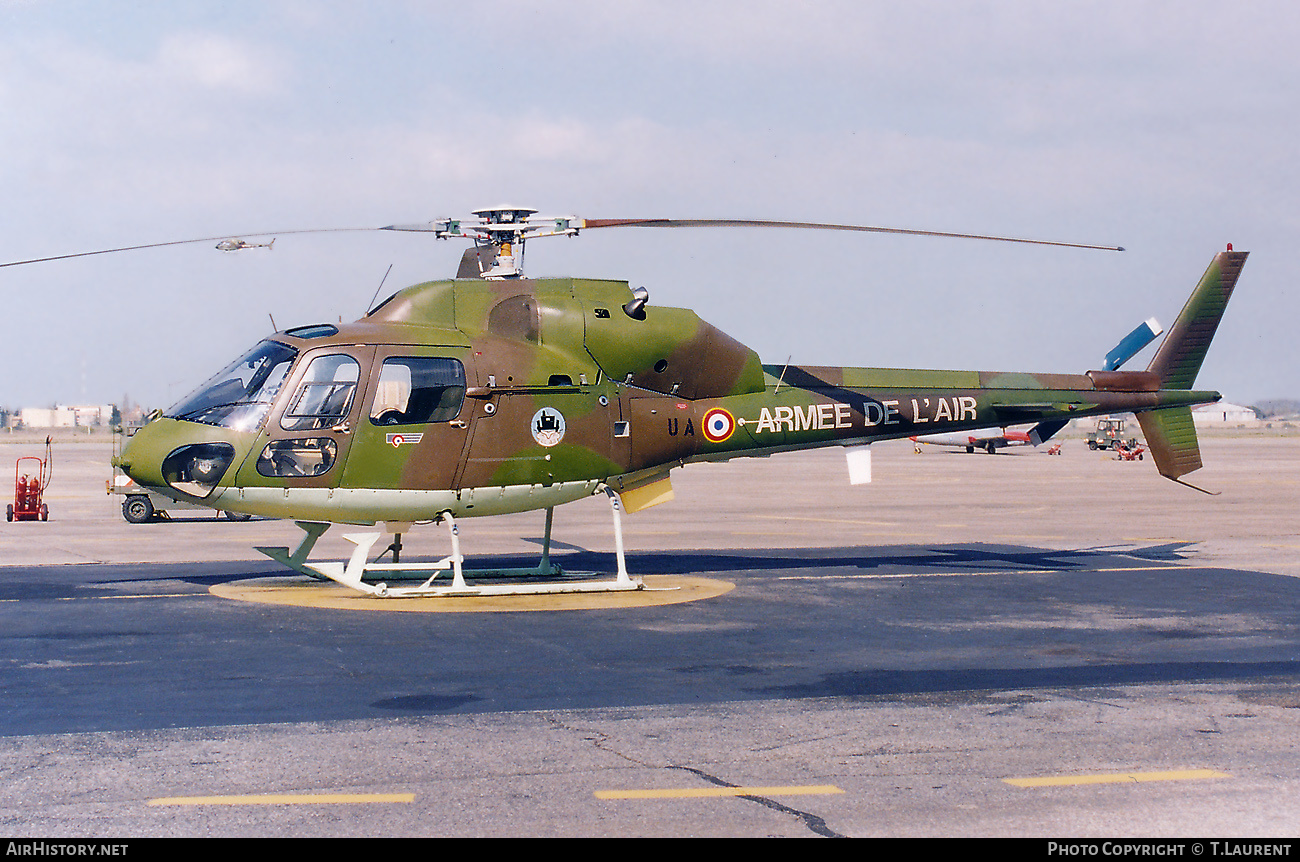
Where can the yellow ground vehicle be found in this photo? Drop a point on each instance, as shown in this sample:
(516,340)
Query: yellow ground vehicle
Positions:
(1110,435)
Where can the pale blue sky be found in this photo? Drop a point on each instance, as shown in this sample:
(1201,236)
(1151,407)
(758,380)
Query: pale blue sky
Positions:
(1167,128)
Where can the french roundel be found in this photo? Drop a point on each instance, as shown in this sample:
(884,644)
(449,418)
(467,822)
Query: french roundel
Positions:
(718,425)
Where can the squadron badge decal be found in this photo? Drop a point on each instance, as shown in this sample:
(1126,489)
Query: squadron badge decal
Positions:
(548,426)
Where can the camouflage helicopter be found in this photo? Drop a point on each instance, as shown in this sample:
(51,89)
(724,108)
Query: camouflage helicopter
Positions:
(494,393)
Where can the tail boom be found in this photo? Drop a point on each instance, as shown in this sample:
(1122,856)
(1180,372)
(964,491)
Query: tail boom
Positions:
(805,407)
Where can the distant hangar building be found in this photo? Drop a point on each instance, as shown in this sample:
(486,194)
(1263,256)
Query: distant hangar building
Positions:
(66,416)
(1223,413)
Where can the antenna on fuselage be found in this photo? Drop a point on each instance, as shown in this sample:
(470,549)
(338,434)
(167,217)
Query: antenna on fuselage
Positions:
(371,306)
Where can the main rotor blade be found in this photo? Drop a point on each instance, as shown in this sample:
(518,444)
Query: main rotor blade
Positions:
(671,222)
(440,227)
(185,242)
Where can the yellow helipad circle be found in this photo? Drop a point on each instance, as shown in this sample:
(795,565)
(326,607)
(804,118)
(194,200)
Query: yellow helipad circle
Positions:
(308,593)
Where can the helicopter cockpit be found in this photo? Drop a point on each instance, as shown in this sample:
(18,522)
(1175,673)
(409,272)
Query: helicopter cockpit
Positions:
(308,403)
(241,394)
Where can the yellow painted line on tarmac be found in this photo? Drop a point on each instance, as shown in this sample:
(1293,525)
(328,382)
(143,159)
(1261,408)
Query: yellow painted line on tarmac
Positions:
(968,573)
(287,799)
(102,598)
(854,521)
(1116,778)
(139,596)
(713,792)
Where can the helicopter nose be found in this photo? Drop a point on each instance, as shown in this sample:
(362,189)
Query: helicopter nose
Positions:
(165,454)
(142,456)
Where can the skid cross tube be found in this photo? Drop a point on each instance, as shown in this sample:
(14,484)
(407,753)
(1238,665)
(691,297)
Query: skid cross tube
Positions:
(544,579)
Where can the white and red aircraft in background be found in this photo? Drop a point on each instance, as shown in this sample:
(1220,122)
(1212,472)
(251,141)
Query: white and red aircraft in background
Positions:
(989,440)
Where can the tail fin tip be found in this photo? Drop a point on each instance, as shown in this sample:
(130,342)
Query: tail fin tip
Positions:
(1179,358)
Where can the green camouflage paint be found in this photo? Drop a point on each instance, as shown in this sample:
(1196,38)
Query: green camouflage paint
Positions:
(564,391)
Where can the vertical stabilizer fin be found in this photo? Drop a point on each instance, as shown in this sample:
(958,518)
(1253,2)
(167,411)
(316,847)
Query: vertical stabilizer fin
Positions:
(1179,358)
(1171,436)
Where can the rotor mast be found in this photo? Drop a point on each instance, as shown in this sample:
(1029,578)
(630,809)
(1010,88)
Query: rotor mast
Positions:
(502,230)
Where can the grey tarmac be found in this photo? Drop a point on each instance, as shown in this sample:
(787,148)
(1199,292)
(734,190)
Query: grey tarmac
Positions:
(893,657)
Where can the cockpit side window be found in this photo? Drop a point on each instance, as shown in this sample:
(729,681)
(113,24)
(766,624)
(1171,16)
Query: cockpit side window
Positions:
(325,395)
(416,390)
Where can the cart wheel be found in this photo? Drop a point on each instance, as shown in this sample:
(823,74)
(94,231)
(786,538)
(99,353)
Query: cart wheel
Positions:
(137,510)
(9,512)
(45,512)
(237,516)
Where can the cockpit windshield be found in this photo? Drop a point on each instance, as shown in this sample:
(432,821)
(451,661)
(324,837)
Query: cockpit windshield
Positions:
(240,396)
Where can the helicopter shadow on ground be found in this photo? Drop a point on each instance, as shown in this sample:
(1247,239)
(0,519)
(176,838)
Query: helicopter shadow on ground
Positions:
(913,560)
(198,518)
(939,625)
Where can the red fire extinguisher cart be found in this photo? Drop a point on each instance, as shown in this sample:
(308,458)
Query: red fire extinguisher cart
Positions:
(31,478)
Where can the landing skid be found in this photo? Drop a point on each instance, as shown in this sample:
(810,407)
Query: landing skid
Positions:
(544,579)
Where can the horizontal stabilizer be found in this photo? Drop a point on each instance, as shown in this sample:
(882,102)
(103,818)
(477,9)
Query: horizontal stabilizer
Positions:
(1044,431)
(1171,437)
